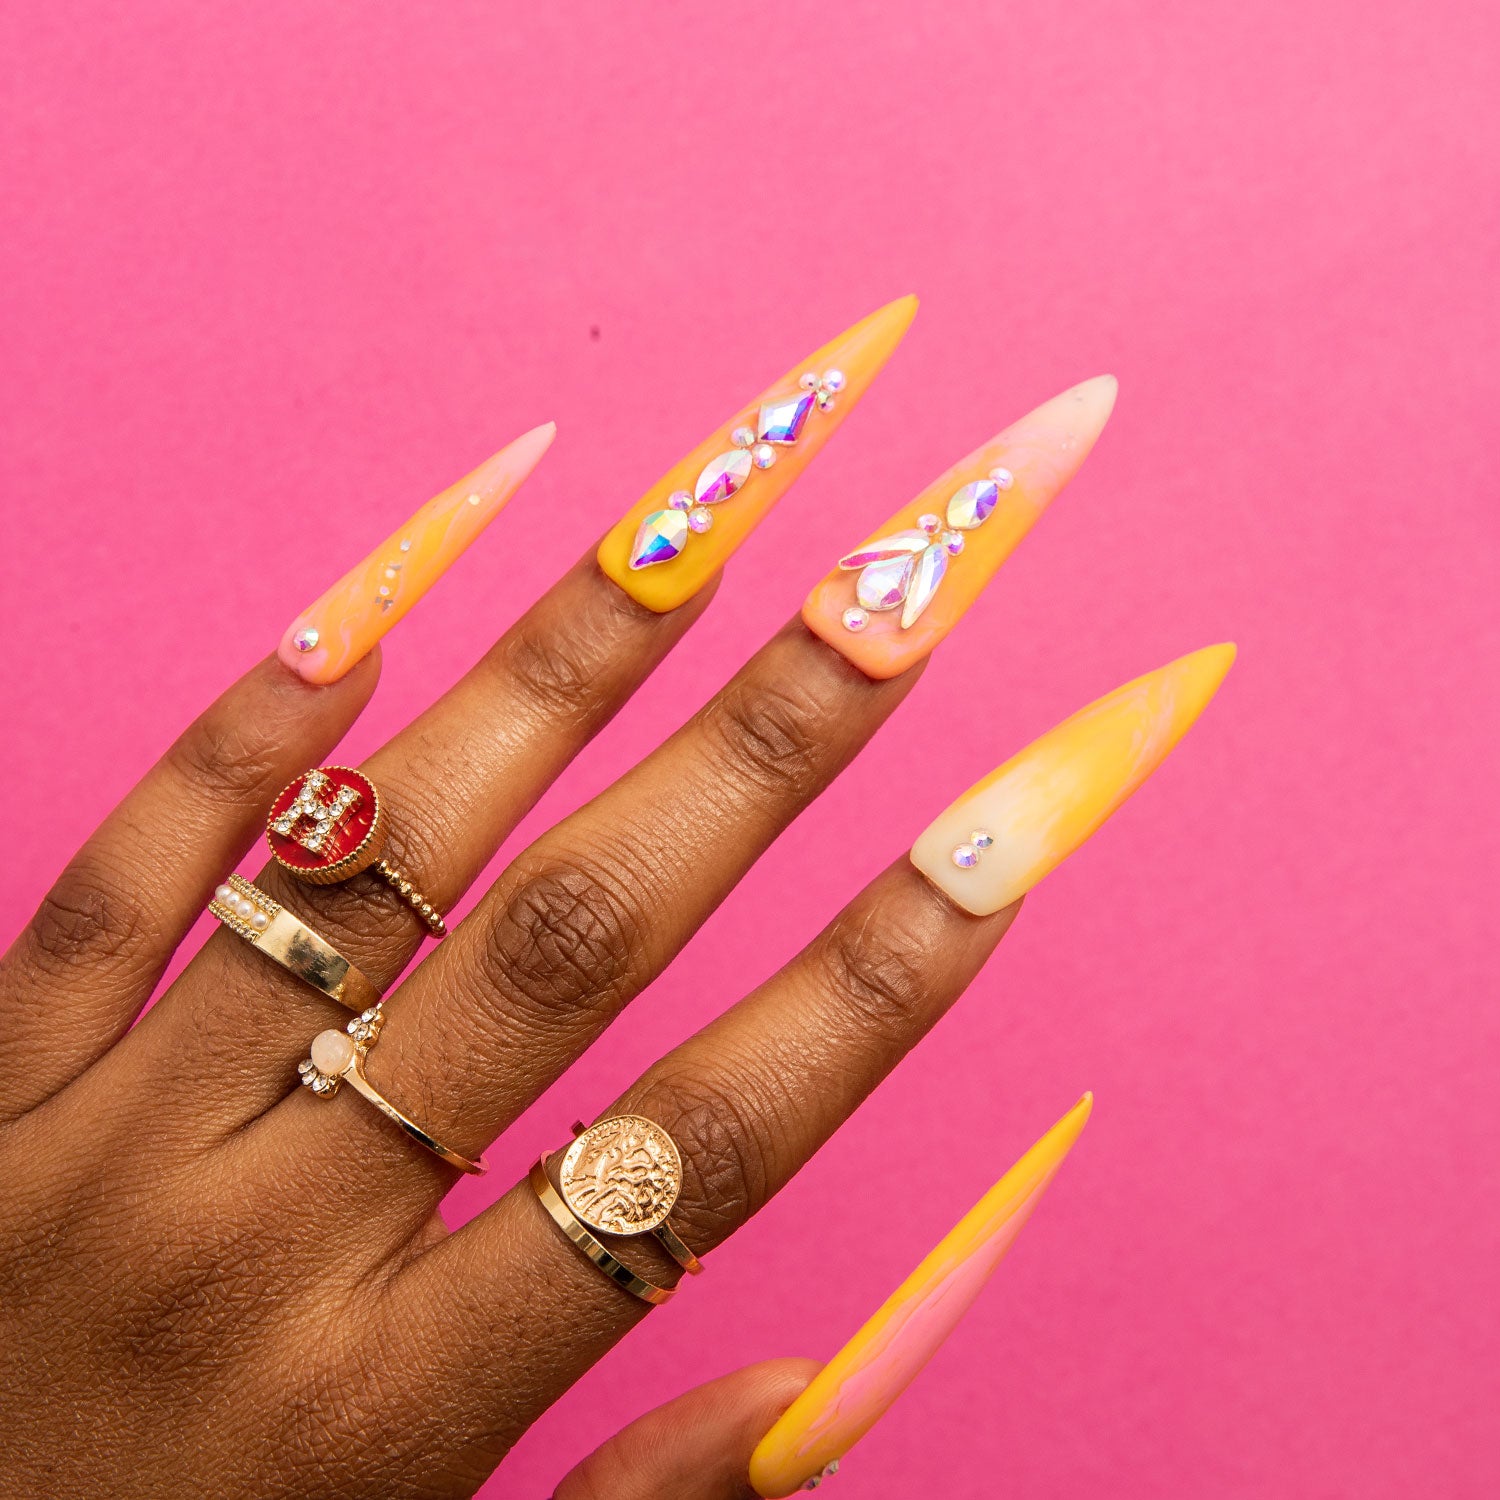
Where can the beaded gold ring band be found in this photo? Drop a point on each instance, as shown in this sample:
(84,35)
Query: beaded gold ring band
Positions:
(267,925)
(327,826)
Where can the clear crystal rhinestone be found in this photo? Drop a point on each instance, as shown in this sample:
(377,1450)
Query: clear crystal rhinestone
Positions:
(971,506)
(928,574)
(980,839)
(825,401)
(929,523)
(855,618)
(700,519)
(966,856)
(897,544)
(680,500)
(1003,478)
(883,585)
(953,541)
(782,421)
(808,381)
(406,544)
(662,535)
(763,455)
(742,437)
(722,477)
(306,639)
(833,381)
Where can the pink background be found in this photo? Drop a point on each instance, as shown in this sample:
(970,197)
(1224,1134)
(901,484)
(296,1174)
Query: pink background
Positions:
(275,273)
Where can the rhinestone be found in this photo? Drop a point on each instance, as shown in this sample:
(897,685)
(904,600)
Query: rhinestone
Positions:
(980,839)
(305,640)
(928,574)
(883,585)
(406,544)
(474,499)
(391,569)
(855,618)
(680,500)
(834,381)
(953,541)
(700,519)
(929,523)
(825,401)
(782,421)
(898,544)
(763,455)
(966,856)
(661,537)
(809,381)
(742,437)
(722,477)
(385,593)
(1003,478)
(971,506)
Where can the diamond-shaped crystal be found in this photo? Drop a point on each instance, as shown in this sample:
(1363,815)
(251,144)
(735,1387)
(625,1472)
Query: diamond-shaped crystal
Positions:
(883,585)
(926,576)
(782,421)
(662,535)
(897,544)
(971,506)
(722,477)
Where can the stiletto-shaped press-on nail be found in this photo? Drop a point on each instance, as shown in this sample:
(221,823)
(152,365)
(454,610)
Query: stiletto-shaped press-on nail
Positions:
(327,638)
(853,1390)
(692,520)
(1024,819)
(889,602)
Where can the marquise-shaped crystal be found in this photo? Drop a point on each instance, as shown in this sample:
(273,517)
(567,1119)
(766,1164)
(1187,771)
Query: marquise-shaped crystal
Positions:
(883,585)
(722,476)
(971,506)
(926,576)
(782,421)
(662,535)
(897,544)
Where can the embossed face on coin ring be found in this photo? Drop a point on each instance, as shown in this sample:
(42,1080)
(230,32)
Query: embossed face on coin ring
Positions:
(622,1176)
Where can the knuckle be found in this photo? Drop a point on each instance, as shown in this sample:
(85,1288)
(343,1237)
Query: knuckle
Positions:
(567,936)
(89,916)
(774,735)
(559,672)
(881,971)
(228,756)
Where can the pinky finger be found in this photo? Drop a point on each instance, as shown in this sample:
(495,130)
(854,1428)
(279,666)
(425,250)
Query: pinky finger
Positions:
(696,1447)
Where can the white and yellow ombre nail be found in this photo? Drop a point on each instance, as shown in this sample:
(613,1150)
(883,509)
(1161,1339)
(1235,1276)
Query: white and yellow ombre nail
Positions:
(854,1389)
(1024,819)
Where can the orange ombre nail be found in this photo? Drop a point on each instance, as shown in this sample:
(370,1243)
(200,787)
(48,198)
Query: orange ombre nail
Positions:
(333,633)
(857,1386)
(889,602)
(693,519)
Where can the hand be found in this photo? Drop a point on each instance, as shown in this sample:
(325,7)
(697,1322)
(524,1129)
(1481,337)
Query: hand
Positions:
(213,1280)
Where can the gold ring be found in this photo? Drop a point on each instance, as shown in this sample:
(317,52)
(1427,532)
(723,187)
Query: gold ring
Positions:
(621,1176)
(326,826)
(266,924)
(338,1057)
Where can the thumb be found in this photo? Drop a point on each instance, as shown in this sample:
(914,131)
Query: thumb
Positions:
(696,1447)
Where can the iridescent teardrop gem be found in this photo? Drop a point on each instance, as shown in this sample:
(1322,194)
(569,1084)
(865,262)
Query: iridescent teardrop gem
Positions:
(971,506)
(722,477)
(897,544)
(883,585)
(782,421)
(662,535)
(926,577)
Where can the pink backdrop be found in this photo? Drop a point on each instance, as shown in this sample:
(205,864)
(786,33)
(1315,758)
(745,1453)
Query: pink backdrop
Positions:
(275,273)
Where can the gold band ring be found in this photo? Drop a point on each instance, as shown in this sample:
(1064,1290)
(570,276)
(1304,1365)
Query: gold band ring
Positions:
(326,826)
(338,1057)
(266,924)
(621,1176)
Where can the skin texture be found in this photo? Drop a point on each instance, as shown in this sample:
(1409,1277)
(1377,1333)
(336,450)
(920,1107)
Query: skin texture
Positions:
(212,1281)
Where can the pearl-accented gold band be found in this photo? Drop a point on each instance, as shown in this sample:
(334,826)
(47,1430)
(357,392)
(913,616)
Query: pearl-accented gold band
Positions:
(265,924)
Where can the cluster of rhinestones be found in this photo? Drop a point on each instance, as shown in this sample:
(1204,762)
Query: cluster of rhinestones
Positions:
(324,815)
(966,856)
(664,533)
(903,570)
(390,572)
(827,1472)
(243,908)
(363,1030)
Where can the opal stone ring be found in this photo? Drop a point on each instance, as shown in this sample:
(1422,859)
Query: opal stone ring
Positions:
(327,825)
(621,1176)
(338,1057)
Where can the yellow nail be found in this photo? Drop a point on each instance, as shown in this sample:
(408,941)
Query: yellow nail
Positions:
(856,1387)
(688,524)
(342,625)
(1023,820)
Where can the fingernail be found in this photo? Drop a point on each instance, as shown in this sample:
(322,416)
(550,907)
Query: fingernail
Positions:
(327,638)
(693,519)
(1026,818)
(854,1389)
(890,601)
